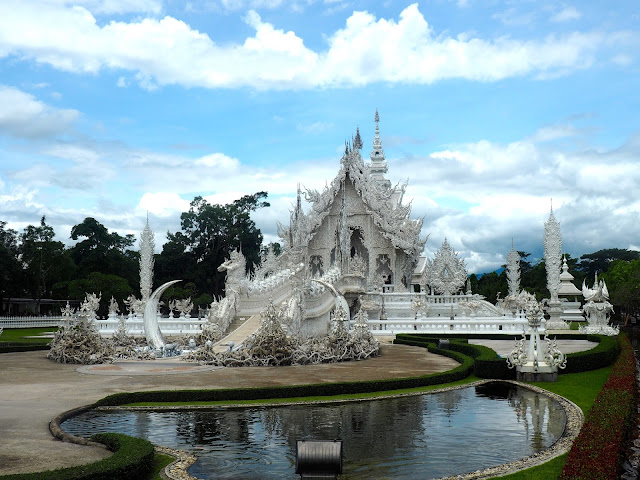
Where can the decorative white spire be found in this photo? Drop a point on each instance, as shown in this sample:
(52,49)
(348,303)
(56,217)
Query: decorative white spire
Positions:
(513,271)
(146,261)
(378,161)
(552,254)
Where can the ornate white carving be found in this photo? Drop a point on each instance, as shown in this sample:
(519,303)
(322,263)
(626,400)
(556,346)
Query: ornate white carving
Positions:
(513,271)
(446,273)
(552,255)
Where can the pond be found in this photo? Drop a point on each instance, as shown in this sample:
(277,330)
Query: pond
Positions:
(423,436)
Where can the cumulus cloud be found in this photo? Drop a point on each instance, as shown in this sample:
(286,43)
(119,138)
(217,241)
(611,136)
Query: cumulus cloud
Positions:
(164,51)
(22,115)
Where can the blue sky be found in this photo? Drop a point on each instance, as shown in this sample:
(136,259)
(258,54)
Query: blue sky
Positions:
(114,108)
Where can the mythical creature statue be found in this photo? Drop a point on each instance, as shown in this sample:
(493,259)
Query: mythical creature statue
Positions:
(598,293)
(113,306)
(235,267)
(597,309)
(90,306)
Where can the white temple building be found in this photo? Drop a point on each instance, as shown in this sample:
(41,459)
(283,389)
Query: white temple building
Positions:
(356,246)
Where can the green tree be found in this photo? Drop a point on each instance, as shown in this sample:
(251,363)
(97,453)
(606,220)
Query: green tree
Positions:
(599,261)
(10,268)
(623,283)
(103,251)
(106,284)
(210,232)
(44,259)
(492,283)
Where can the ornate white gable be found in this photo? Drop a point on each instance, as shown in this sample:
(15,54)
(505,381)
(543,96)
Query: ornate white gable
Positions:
(446,273)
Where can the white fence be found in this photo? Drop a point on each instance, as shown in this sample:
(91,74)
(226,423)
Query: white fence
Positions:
(439,325)
(29,322)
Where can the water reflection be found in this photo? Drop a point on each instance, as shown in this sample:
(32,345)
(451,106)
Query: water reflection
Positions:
(421,436)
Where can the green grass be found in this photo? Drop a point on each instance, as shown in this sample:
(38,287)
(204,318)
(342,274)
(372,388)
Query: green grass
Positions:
(581,389)
(546,471)
(17,335)
(160,461)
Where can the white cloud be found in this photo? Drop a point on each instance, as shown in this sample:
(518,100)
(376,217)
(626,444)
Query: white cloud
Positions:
(162,204)
(566,14)
(218,160)
(168,51)
(21,115)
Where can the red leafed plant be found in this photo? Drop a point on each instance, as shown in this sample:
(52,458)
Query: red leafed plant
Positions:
(598,451)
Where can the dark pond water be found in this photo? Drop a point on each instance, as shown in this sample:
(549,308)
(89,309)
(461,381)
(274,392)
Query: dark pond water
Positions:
(425,436)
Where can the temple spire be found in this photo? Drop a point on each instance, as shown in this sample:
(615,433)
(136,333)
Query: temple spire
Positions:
(378,161)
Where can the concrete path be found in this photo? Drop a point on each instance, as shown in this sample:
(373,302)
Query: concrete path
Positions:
(33,390)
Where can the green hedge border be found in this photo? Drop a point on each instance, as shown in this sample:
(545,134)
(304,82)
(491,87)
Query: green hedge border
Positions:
(291,391)
(10,347)
(132,458)
(488,364)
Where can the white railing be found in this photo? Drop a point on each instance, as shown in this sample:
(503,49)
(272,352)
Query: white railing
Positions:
(29,322)
(439,325)
(168,326)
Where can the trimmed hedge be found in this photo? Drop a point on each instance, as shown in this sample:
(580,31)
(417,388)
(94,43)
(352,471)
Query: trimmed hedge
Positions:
(602,355)
(598,452)
(9,347)
(489,365)
(132,458)
(321,390)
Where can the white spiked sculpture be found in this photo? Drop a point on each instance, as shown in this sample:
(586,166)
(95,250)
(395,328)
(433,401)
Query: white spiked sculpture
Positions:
(146,261)
(513,271)
(553,260)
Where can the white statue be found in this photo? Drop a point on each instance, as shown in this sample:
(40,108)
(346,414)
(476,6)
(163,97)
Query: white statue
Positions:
(597,309)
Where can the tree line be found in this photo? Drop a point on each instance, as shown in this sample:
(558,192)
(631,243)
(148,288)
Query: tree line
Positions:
(619,268)
(34,265)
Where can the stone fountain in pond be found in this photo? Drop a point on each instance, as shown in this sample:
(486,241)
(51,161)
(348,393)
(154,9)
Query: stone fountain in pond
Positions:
(535,360)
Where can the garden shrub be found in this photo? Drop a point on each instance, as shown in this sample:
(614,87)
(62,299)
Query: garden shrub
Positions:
(598,452)
(132,458)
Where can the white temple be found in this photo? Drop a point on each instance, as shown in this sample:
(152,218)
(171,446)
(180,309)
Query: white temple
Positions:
(356,247)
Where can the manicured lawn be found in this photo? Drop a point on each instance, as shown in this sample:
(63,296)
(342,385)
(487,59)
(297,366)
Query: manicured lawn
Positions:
(17,335)
(581,389)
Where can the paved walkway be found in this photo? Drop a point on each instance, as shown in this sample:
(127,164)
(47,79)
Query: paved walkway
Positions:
(33,390)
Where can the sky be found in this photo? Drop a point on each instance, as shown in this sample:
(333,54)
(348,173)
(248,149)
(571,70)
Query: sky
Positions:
(492,110)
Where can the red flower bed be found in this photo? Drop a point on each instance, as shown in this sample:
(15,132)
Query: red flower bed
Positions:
(598,451)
